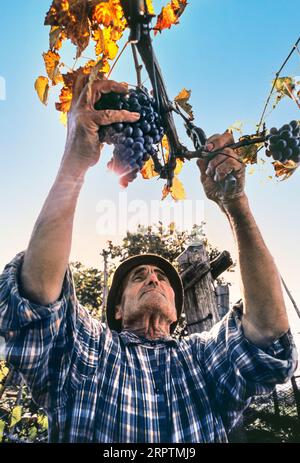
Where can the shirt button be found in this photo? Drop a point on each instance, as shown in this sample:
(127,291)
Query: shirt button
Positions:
(152,343)
(157,390)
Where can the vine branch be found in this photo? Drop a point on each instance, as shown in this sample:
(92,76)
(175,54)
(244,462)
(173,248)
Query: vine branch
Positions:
(295,47)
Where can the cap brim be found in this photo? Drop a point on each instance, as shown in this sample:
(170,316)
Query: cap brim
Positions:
(124,268)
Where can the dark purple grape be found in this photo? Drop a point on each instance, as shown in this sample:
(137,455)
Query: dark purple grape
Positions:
(156,139)
(286,134)
(281,145)
(273,131)
(129,142)
(128,131)
(148,140)
(145,127)
(286,127)
(138,146)
(287,153)
(294,124)
(137,132)
(139,140)
(118,126)
(128,152)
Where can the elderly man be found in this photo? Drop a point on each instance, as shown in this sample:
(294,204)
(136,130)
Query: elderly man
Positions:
(132,382)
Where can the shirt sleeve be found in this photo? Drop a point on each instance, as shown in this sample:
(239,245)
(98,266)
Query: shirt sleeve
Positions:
(53,347)
(236,369)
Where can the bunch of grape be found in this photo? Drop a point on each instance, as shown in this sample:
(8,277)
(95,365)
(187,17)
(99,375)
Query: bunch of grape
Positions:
(284,143)
(134,143)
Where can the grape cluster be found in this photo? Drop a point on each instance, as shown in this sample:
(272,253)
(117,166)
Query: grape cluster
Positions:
(284,143)
(133,142)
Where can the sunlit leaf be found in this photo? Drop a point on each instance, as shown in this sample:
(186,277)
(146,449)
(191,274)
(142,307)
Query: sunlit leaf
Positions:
(179,162)
(177,190)
(170,14)
(236,127)
(32,433)
(41,86)
(104,44)
(150,7)
(148,170)
(285,170)
(65,100)
(63,118)
(52,64)
(182,100)
(16,415)
(248,154)
(56,37)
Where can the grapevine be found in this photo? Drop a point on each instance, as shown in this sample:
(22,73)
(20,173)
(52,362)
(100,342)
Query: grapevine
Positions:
(151,146)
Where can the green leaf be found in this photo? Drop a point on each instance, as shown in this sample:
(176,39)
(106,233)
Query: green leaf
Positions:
(16,416)
(32,433)
(2,426)
(42,420)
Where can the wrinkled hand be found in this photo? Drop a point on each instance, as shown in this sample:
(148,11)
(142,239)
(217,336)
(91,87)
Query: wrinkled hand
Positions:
(219,167)
(83,147)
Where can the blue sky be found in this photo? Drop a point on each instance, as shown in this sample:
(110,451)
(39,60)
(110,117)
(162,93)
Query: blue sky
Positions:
(225,51)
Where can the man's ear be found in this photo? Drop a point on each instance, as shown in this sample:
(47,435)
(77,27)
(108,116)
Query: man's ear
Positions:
(118,312)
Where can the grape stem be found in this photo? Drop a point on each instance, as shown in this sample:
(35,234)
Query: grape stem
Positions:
(138,67)
(208,155)
(295,47)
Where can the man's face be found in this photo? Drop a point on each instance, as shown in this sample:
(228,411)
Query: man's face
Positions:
(146,292)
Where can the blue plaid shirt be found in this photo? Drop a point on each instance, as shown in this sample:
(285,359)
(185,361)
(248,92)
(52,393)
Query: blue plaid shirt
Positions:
(98,385)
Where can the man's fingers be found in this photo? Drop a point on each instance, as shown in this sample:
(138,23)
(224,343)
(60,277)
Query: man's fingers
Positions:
(109,116)
(218,141)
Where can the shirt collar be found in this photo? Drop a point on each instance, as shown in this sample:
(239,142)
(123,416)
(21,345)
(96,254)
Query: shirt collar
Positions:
(130,338)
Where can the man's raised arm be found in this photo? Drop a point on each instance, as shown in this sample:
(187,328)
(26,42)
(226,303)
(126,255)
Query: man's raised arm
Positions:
(265,318)
(47,255)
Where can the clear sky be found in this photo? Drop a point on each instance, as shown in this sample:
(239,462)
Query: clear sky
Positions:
(226,52)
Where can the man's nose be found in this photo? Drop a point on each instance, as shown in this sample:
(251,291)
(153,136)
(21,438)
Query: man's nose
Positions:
(152,278)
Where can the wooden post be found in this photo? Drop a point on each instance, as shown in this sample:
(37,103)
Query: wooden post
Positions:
(200,300)
(222,293)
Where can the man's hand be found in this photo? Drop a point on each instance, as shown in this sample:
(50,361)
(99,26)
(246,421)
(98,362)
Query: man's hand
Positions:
(218,168)
(83,146)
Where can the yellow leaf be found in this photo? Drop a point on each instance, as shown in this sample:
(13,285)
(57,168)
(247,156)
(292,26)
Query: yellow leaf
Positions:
(56,37)
(52,64)
(148,170)
(236,127)
(42,88)
(104,44)
(285,169)
(16,416)
(63,118)
(177,190)
(182,100)
(169,14)
(150,7)
(179,162)
(65,99)
(2,426)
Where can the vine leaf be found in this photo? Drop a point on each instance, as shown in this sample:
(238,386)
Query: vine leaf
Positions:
(248,154)
(182,100)
(236,127)
(104,43)
(2,426)
(148,170)
(52,64)
(285,170)
(169,15)
(287,86)
(177,190)
(41,86)
(16,415)
(56,37)
(150,7)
